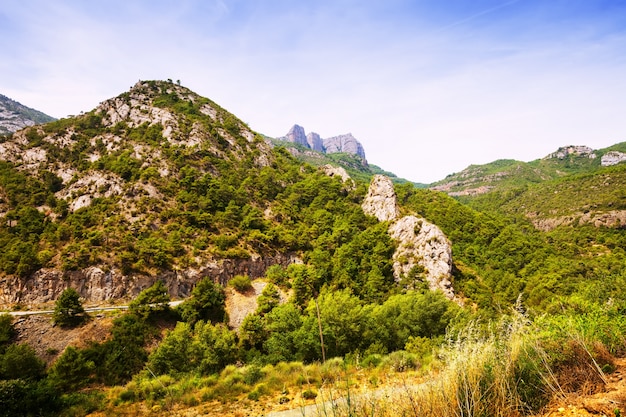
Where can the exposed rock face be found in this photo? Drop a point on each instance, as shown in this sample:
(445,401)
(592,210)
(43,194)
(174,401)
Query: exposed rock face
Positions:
(344,143)
(15,116)
(96,284)
(420,243)
(380,200)
(332,171)
(296,135)
(423,244)
(315,142)
(613,219)
(612,158)
(565,151)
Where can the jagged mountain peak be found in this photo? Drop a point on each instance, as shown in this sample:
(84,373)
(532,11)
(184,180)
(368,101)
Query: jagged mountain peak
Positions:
(346,143)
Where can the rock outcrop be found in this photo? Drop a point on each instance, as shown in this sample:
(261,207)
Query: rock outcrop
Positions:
(315,142)
(332,171)
(423,248)
(342,143)
(296,135)
(566,151)
(97,283)
(612,158)
(380,200)
(423,244)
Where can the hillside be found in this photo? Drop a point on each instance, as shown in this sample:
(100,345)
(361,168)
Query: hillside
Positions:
(506,174)
(15,116)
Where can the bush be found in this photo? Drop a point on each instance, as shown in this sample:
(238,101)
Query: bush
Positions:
(241,283)
(401,361)
(207,302)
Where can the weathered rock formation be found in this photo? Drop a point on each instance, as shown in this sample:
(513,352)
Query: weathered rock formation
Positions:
(612,158)
(296,135)
(332,171)
(565,151)
(342,143)
(380,200)
(315,142)
(421,244)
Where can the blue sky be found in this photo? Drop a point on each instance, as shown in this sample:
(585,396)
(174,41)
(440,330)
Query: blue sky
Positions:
(428,86)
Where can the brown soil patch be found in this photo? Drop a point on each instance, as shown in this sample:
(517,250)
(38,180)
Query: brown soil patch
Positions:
(49,340)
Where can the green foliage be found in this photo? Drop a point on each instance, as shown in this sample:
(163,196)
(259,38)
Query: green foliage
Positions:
(19,361)
(269,298)
(71,371)
(22,398)
(68,309)
(241,283)
(204,349)
(207,303)
(151,302)
(7,331)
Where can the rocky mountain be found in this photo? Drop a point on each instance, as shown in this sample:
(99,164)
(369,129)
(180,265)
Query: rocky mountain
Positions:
(15,116)
(342,143)
(159,183)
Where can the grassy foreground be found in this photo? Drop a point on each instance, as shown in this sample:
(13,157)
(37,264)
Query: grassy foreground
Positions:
(511,368)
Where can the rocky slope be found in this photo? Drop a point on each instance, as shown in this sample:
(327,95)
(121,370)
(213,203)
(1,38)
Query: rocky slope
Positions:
(15,116)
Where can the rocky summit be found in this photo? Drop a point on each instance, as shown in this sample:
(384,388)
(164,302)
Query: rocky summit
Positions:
(342,143)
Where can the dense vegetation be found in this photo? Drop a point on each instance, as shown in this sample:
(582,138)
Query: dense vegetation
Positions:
(171,205)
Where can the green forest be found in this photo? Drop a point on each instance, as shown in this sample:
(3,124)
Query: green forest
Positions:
(559,293)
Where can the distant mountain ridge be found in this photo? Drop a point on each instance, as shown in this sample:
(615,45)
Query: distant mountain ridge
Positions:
(505,173)
(341,143)
(15,116)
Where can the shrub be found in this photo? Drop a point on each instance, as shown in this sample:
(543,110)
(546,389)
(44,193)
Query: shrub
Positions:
(151,302)
(241,283)
(309,394)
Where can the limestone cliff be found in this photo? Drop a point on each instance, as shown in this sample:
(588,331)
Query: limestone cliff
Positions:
(421,244)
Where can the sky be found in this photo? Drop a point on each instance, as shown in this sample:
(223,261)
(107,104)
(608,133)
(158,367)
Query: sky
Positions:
(427,86)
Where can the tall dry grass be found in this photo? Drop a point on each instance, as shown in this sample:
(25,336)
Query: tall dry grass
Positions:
(510,371)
